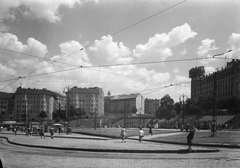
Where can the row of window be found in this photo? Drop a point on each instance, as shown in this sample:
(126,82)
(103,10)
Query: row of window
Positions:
(30,112)
(3,102)
(30,101)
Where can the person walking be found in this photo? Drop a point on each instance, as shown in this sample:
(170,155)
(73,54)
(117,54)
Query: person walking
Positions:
(42,134)
(150,131)
(123,134)
(52,132)
(190,137)
(15,130)
(141,134)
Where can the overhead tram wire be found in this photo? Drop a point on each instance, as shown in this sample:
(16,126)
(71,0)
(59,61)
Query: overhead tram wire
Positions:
(113,34)
(9,84)
(90,67)
(159,88)
(150,62)
(7,74)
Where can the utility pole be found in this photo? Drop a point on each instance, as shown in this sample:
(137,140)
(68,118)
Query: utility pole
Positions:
(67,93)
(125,111)
(214,121)
(95,118)
(1,116)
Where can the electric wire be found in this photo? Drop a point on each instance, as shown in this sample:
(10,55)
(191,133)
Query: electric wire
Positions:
(9,84)
(113,34)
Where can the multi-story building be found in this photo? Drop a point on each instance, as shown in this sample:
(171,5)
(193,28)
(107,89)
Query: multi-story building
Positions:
(151,106)
(121,105)
(29,103)
(6,106)
(225,82)
(91,100)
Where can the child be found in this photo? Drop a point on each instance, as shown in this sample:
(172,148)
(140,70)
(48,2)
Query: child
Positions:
(123,134)
(141,134)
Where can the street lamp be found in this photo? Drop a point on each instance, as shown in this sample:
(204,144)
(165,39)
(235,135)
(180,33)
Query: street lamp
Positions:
(183,98)
(1,116)
(67,93)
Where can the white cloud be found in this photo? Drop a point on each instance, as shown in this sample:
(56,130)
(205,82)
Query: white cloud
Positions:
(234,42)
(33,47)
(179,78)
(108,51)
(159,46)
(46,9)
(209,69)
(205,50)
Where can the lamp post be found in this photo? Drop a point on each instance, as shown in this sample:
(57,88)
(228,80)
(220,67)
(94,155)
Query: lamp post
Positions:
(182,98)
(95,118)
(1,116)
(67,94)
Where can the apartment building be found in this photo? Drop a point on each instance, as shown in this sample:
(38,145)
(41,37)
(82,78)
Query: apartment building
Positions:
(120,105)
(28,103)
(90,99)
(225,81)
(6,106)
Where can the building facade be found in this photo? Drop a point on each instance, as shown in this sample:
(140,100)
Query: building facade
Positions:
(121,105)
(151,106)
(6,106)
(29,103)
(90,99)
(224,81)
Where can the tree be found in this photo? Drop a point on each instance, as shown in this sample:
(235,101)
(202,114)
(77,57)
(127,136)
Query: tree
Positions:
(43,114)
(178,107)
(134,110)
(167,108)
(72,111)
(191,107)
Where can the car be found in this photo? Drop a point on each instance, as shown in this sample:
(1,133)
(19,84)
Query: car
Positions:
(1,128)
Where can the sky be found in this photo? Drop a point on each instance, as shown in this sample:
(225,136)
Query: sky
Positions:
(122,46)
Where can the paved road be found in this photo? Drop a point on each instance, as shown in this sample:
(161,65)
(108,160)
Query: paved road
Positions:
(18,156)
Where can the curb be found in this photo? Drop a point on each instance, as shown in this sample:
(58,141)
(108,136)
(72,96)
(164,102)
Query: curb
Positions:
(112,150)
(167,142)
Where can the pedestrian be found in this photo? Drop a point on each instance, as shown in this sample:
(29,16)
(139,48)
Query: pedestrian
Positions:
(59,129)
(190,137)
(150,131)
(123,134)
(15,130)
(62,130)
(141,134)
(42,134)
(52,132)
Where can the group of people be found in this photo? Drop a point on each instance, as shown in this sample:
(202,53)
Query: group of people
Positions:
(140,134)
(190,135)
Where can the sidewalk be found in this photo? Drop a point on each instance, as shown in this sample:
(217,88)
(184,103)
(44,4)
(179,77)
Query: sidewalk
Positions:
(99,144)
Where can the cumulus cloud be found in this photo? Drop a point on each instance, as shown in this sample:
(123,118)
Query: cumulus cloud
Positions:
(209,70)
(43,9)
(205,50)
(159,46)
(107,51)
(234,42)
(9,41)
(42,73)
